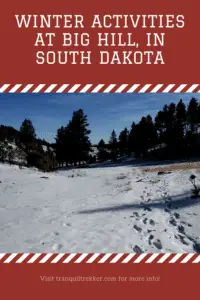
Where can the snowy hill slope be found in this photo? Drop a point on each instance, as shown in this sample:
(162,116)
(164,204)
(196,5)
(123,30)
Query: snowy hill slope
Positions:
(110,209)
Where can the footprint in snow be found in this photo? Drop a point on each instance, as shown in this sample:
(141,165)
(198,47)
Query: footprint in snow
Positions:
(181,238)
(135,214)
(137,228)
(56,233)
(176,215)
(152,222)
(181,229)
(187,224)
(137,249)
(56,247)
(196,247)
(158,244)
(172,221)
(145,221)
(151,237)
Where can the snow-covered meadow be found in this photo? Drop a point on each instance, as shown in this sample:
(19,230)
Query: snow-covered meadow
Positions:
(102,209)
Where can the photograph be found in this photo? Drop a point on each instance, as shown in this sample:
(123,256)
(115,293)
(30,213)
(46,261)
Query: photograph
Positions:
(100,173)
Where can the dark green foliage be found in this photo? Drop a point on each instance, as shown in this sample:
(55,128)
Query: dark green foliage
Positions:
(72,142)
(42,161)
(123,141)
(103,153)
(142,137)
(27,131)
(113,145)
(101,144)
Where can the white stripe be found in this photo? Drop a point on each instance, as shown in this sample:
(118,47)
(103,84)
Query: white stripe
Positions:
(192,88)
(4,87)
(143,90)
(81,258)
(128,258)
(151,258)
(86,88)
(133,88)
(164,257)
(140,258)
(92,258)
(2,255)
(175,258)
(104,258)
(50,88)
(35,256)
(156,88)
(197,260)
(69,258)
(97,88)
(180,88)
(168,88)
(116,258)
(22,258)
(62,88)
(15,88)
(57,258)
(38,88)
(45,258)
(26,88)
(109,88)
(121,88)
(187,258)
(74,88)
(10,258)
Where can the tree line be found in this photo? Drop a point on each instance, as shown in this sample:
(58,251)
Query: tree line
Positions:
(172,134)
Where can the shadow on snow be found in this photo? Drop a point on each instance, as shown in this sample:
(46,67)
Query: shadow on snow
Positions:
(177,202)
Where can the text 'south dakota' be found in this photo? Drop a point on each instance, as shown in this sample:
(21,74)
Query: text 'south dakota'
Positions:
(105,40)
(105,57)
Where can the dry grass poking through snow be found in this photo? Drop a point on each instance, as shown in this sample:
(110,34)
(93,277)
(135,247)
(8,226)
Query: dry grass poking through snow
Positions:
(172,167)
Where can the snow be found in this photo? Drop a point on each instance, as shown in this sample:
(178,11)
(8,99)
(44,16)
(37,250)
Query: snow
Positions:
(105,209)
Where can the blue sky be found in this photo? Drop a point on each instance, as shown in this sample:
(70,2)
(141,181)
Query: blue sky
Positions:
(105,111)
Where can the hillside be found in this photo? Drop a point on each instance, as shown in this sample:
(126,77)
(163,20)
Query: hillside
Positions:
(13,149)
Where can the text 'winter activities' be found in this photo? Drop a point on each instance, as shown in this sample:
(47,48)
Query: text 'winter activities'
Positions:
(115,39)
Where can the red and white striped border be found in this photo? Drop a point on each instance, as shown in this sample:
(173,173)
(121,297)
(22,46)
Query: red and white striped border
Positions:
(99,258)
(99,88)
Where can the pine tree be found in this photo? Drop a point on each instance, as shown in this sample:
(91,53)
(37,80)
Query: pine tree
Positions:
(113,140)
(123,141)
(27,129)
(77,137)
(192,114)
(102,154)
(28,135)
(180,120)
(61,146)
(160,126)
(101,144)
(113,145)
